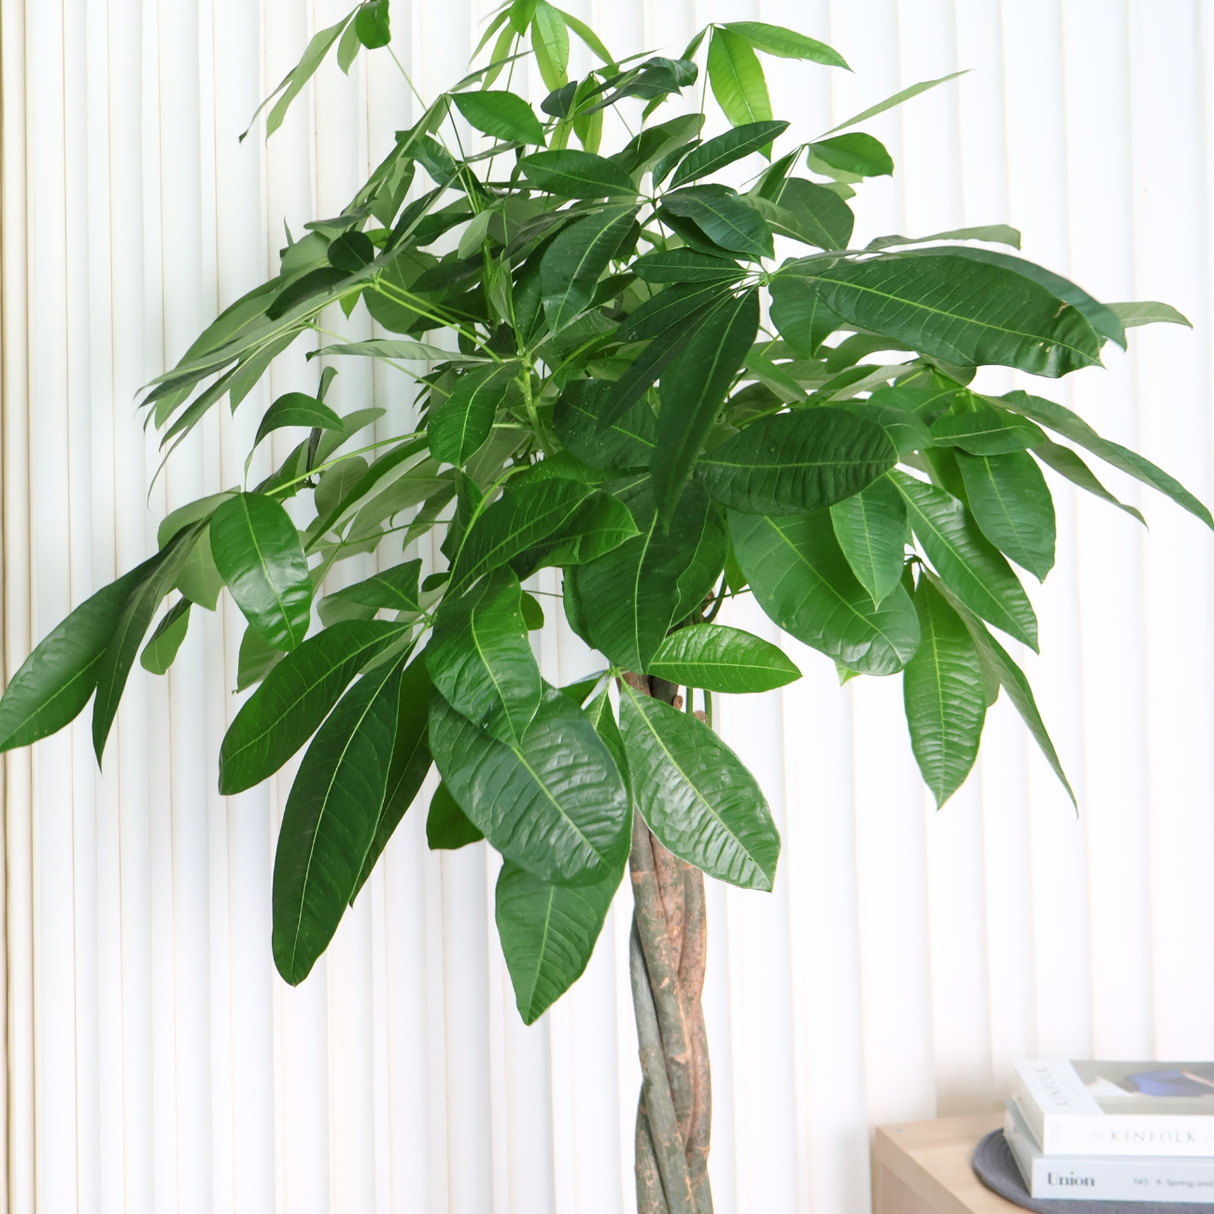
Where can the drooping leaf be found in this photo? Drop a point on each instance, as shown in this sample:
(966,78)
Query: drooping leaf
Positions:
(256,549)
(297,409)
(737,79)
(462,423)
(871,530)
(161,651)
(943,694)
(574,174)
(329,821)
(695,794)
(985,431)
(626,443)
(296,696)
(480,657)
(716,153)
(254,660)
(798,461)
(969,564)
(574,261)
(1065,462)
(1145,312)
(855,153)
(786,43)
(724,218)
(500,114)
(722,659)
(447,826)
(806,212)
(644,370)
(1012,505)
(548,933)
(693,388)
(555,803)
(889,103)
(393,590)
(976,315)
(803,582)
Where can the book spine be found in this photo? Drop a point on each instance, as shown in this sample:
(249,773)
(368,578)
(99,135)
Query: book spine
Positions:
(1112,1179)
(1122,1134)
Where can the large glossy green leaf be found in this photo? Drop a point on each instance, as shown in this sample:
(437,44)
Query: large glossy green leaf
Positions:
(629,596)
(500,114)
(943,694)
(575,260)
(686,265)
(871,530)
(724,218)
(1012,505)
(462,423)
(786,43)
(806,212)
(548,933)
(985,431)
(626,443)
(737,79)
(696,795)
(970,565)
(1065,462)
(329,821)
(257,551)
(480,657)
(54,683)
(722,659)
(798,461)
(803,582)
(115,663)
(693,389)
(969,313)
(716,153)
(410,762)
(297,409)
(393,590)
(297,694)
(573,174)
(1011,678)
(801,318)
(1070,425)
(555,803)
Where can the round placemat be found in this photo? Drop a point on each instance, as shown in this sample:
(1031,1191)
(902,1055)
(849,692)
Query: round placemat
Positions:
(997,1170)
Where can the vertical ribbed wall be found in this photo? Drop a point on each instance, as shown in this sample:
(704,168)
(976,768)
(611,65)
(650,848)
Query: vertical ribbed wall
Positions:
(906,958)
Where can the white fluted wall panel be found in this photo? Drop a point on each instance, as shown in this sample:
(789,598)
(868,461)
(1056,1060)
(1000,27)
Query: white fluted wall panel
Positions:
(155,1062)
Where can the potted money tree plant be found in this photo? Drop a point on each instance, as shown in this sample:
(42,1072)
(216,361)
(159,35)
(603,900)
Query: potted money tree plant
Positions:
(621,373)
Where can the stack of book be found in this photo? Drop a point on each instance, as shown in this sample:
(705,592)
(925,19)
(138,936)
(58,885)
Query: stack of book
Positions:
(1114,1131)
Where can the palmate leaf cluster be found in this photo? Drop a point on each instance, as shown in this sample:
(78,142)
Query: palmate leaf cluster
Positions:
(621,375)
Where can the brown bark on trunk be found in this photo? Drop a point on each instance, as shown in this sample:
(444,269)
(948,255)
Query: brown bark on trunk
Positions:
(667,954)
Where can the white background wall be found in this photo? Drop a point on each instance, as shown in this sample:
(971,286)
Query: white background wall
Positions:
(906,958)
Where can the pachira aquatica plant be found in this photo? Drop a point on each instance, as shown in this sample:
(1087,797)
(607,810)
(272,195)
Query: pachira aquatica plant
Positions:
(676,392)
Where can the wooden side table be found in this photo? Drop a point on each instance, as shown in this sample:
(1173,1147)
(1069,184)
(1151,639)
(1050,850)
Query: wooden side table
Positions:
(923,1167)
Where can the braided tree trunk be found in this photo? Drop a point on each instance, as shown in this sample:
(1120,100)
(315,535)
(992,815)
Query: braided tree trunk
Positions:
(666,955)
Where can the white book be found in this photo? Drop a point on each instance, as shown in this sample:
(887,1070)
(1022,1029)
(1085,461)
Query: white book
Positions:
(1118,1108)
(1105,1177)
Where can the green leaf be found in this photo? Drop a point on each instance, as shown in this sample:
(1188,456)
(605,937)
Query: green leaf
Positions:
(686,265)
(905,429)
(871,530)
(256,549)
(737,79)
(1070,425)
(462,423)
(159,653)
(555,803)
(396,349)
(447,826)
(786,43)
(890,102)
(695,794)
(626,443)
(199,580)
(1011,502)
(336,482)
(792,462)
(704,568)
(393,590)
(1146,312)
(667,310)
(533,613)
(329,821)
(803,582)
(371,23)
(985,431)
(999,233)
(693,388)
(629,596)
(973,316)
(969,564)
(550,42)
(943,694)
(54,683)
(802,319)
(521,14)
(1065,462)
(480,657)
(600,525)
(410,762)
(1011,679)
(644,369)
(573,174)
(297,694)
(500,114)
(855,153)
(548,933)
(255,660)
(575,260)
(722,659)
(348,48)
(806,212)
(297,409)
(588,36)
(714,154)
(724,218)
